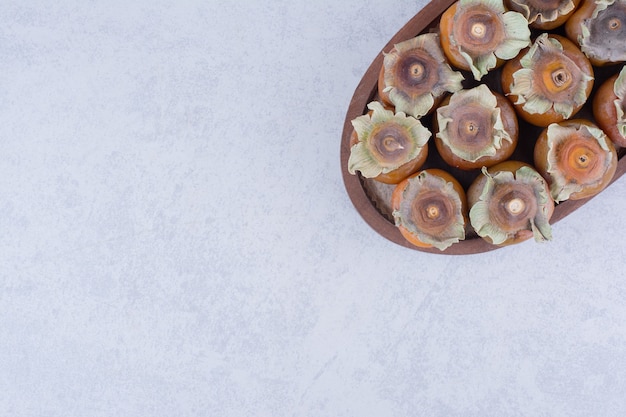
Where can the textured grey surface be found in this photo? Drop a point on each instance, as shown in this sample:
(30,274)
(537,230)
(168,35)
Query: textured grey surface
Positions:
(176,240)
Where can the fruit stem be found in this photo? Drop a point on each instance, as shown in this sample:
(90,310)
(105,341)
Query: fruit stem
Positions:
(478,30)
(432,212)
(515,206)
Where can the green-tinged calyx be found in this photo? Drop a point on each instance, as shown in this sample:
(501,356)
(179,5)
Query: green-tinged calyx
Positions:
(471,124)
(544,11)
(548,79)
(416,73)
(431,210)
(386,141)
(619,88)
(603,35)
(578,157)
(512,203)
(484,31)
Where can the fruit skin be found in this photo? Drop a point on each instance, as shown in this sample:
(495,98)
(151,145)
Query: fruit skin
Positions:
(541,161)
(396,199)
(476,188)
(551,116)
(397,175)
(604,111)
(446,26)
(509,119)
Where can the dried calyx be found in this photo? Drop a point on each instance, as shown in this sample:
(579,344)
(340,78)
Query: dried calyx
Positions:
(544,14)
(471,124)
(578,157)
(386,141)
(549,79)
(432,210)
(416,73)
(512,203)
(484,31)
(603,35)
(619,88)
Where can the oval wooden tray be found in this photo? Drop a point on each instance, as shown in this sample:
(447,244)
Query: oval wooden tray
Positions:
(369,197)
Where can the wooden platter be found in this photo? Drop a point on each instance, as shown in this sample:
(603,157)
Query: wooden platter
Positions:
(370,198)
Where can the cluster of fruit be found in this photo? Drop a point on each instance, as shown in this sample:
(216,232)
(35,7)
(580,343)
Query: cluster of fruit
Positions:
(431,86)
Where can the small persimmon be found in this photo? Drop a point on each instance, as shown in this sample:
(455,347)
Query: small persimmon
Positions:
(387,146)
(480,35)
(510,203)
(609,107)
(430,209)
(475,128)
(548,82)
(599,28)
(576,158)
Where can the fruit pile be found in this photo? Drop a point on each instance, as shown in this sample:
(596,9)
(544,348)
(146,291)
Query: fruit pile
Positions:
(494,76)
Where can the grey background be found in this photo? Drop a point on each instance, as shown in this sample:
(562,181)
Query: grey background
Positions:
(176,239)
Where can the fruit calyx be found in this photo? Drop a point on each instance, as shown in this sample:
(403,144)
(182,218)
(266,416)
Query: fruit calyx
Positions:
(432,210)
(484,31)
(512,203)
(471,124)
(416,73)
(386,141)
(619,88)
(603,35)
(541,12)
